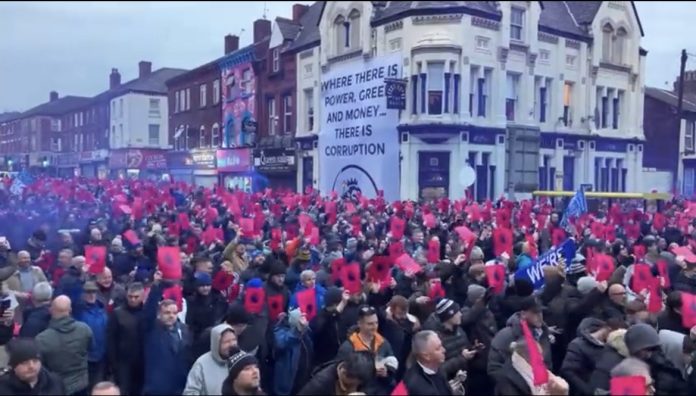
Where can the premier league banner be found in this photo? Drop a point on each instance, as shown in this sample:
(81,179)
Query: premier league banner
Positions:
(358,143)
(555,256)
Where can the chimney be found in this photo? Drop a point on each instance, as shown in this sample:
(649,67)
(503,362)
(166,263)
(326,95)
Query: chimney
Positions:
(53,96)
(145,68)
(114,78)
(262,29)
(231,43)
(297,11)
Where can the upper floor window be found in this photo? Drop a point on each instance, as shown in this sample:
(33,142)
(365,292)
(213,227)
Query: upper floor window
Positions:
(309,106)
(567,103)
(215,136)
(516,23)
(342,27)
(120,107)
(689,135)
(513,82)
(436,84)
(287,113)
(276,59)
(272,119)
(203,94)
(354,18)
(230,84)
(154,107)
(176,101)
(482,43)
(618,45)
(216,91)
(607,34)
(246,83)
(188,98)
(570,60)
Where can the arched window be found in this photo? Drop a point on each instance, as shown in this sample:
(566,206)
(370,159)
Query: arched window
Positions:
(340,30)
(215,136)
(619,44)
(354,30)
(607,37)
(201,137)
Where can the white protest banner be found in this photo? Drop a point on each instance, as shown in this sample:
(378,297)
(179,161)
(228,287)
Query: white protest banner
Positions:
(358,142)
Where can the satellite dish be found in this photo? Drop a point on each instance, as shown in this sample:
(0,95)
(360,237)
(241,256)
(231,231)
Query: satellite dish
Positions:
(467,176)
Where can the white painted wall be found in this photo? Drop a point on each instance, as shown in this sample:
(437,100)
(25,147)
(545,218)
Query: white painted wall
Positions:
(136,119)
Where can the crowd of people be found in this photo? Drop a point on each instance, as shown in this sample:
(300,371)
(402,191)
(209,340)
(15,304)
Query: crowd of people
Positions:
(158,288)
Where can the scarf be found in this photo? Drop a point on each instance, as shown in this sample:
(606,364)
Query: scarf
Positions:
(525,371)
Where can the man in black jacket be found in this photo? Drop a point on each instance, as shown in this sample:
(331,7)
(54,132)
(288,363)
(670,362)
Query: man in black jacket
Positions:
(325,326)
(124,341)
(36,318)
(582,354)
(26,376)
(425,377)
(350,374)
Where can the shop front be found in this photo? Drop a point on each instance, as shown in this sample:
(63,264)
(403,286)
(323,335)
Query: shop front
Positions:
(196,167)
(278,166)
(93,164)
(66,164)
(149,164)
(235,169)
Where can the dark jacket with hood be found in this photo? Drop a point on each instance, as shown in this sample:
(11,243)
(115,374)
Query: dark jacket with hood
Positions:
(671,320)
(125,347)
(510,382)
(326,336)
(581,356)
(418,383)
(615,350)
(684,283)
(500,346)
(202,312)
(35,321)
(479,324)
(324,380)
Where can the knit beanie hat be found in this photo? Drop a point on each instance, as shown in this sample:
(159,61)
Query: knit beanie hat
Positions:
(22,350)
(641,336)
(202,279)
(446,309)
(577,266)
(277,268)
(333,296)
(586,284)
(474,292)
(238,361)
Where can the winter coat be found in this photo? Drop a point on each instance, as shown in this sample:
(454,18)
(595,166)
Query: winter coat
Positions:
(323,382)
(64,346)
(210,370)
(381,349)
(614,352)
(124,335)
(510,383)
(113,296)
(418,383)
(48,384)
(70,284)
(14,282)
(479,324)
(684,283)
(121,265)
(454,341)
(500,346)
(581,356)
(35,320)
(204,311)
(325,335)
(94,316)
(399,334)
(293,358)
(670,320)
(669,380)
(166,363)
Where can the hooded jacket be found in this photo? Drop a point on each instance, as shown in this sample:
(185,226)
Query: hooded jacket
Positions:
(614,352)
(500,346)
(671,343)
(581,356)
(64,345)
(210,370)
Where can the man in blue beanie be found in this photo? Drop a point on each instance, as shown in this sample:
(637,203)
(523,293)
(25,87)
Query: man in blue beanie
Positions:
(206,307)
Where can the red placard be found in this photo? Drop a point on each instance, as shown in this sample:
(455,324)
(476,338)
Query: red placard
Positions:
(400,390)
(131,237)
(642,276)
(558,236)
(502,241)
(379,270)
(169,262)
(396,249)
(254,299)
(307,302)
(688,310)
(539,371)
(495,274)
(655,296)
(429,221)
(336,269)
(175,293)
(664,273)
(276,305)
(433,251)
(603,265)
(436,291)
(627,386)
(95,258)
(397,227)
(247,226)
(314,236)
(407,264)
(350,278)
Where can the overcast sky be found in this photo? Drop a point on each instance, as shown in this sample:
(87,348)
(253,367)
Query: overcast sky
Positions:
(71,47)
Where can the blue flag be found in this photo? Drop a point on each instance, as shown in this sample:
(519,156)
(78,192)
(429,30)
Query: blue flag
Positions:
(576,207)
(555,256)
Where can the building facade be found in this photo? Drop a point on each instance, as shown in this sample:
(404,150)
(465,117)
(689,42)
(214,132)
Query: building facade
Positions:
(531,95)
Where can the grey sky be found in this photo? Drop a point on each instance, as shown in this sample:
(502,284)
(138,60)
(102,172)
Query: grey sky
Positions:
(71,47)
